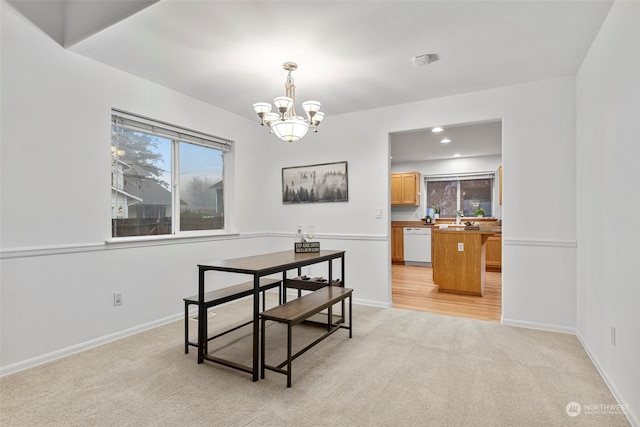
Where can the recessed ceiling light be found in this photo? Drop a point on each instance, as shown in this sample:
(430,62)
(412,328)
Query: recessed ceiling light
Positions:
(437,129)
(457,155)
(444,141)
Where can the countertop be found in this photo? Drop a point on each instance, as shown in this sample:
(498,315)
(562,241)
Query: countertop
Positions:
(462,230)
(420,224)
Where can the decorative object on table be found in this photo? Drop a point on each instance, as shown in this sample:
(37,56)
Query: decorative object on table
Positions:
(287,125)
(459,215)
(302,240)
(326,182)
(427,220)
(480,212)
(304,247)
(470,225)
(436,212)
(309,233)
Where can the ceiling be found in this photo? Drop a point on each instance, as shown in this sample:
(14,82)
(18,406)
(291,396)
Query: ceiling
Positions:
(351,55)
(467,140)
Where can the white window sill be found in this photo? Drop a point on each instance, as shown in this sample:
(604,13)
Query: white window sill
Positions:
(168,239)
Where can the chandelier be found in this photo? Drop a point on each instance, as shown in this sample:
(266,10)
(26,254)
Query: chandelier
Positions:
(287,125)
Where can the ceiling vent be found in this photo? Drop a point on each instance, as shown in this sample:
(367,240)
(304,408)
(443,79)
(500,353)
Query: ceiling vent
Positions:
(425,59)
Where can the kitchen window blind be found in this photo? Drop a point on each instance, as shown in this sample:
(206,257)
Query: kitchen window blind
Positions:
(460,177)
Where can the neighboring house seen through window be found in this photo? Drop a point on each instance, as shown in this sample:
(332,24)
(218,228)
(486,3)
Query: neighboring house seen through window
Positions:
(164,179)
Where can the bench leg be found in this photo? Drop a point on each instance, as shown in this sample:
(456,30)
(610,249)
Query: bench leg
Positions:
(262,347)
(186,327)
(350,317)
(289,327)
(206,331)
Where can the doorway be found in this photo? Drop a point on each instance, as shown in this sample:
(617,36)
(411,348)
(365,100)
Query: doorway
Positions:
(457,150)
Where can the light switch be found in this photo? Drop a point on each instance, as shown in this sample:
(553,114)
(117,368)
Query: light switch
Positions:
(378,213)
(460,247)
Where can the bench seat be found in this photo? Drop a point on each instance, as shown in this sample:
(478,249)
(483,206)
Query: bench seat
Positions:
(221,296)
(299,310)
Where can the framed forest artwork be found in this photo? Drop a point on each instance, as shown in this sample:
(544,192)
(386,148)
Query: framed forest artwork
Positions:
(326,182)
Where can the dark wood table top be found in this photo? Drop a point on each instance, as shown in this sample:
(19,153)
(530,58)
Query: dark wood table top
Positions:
(272,262)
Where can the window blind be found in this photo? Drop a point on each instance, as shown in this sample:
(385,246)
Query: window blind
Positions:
(460,177)
(155,127)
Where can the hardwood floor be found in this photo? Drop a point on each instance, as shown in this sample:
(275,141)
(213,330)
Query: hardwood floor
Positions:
(413,289)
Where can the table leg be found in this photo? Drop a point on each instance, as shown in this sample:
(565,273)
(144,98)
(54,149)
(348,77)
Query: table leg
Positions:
(256,324)
(284,287)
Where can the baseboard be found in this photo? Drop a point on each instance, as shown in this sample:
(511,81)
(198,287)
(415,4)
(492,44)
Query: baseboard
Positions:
(536,325)
(633,418)
(372,303)
(68,351)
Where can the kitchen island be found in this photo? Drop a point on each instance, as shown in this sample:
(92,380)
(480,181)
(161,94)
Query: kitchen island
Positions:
(458,258)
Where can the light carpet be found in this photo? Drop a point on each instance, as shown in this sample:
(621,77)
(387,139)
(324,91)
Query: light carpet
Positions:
(401,368)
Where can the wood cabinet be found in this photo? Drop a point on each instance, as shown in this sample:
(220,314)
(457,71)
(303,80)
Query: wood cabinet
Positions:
(405,189)
(494,253)
(458,258)
(397,244)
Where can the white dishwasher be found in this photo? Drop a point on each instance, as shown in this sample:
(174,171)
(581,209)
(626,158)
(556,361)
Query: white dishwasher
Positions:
(417,246)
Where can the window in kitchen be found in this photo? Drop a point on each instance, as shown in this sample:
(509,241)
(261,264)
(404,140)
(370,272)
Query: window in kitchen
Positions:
(165,180)
(460,192)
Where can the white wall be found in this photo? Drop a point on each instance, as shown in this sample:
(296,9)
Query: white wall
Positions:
(608,105)
(539,182)
(443,167)
(58,279)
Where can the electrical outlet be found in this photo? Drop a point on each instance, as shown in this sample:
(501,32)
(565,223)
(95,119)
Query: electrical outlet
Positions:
(613,335)
(460,247)
(117,298)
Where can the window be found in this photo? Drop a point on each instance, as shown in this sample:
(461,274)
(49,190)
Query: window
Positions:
(164,179)
(461,192)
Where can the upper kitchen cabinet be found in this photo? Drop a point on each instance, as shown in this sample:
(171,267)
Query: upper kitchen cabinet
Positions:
(405,189)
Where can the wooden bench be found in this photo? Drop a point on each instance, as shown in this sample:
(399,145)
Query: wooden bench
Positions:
(297,311)
(221,296)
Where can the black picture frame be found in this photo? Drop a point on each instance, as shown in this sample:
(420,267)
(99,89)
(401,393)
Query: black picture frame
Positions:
(320,183)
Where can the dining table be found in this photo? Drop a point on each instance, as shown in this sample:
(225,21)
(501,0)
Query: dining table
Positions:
(257,266)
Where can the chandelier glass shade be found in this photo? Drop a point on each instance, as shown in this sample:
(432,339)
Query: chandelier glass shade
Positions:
(285,123)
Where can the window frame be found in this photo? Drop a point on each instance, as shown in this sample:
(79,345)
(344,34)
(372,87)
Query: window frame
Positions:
(177,135)
(461,177)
